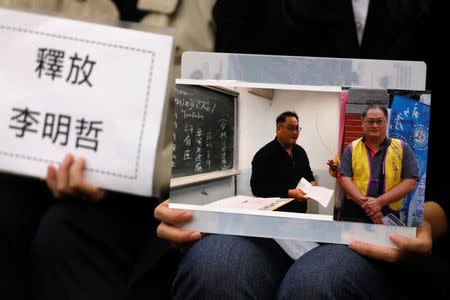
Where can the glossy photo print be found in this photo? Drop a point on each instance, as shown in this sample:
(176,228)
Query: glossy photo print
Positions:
(288,154)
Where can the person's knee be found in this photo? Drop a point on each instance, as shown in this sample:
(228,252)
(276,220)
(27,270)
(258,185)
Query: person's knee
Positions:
(331,272)
(53,238)
(206,267)
(304,279)
(220,266)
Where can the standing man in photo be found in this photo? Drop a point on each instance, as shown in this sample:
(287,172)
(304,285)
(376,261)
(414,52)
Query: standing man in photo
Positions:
(279,165)
(376,171)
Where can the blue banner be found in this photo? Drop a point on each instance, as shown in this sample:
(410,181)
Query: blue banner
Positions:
(409,121)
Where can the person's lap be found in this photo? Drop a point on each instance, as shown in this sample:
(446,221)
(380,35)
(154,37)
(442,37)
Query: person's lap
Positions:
(333,271)
(231,267)
(84,243)
(221,266)
(84,250)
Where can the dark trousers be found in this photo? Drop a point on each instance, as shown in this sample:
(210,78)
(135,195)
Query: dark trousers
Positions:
(82,250)
(23,201)
(236,267)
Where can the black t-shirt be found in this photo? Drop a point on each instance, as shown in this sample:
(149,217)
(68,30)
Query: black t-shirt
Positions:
(274,171)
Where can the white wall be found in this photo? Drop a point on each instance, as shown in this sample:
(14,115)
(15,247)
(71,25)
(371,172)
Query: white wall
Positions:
(318,116)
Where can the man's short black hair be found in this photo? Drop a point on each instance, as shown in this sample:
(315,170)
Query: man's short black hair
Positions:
(375,106)
(282,118)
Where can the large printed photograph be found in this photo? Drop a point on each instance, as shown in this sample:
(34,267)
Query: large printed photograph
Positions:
(325,153)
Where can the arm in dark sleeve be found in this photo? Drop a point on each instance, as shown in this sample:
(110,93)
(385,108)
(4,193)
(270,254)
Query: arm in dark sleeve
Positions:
(308,172)
(264,181)
(346,163)
(410,167)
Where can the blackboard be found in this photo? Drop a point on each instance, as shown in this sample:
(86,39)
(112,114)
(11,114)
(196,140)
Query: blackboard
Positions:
(204,131)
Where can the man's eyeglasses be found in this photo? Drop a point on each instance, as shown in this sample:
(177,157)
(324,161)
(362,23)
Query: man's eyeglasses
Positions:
(293,128)
(373,122)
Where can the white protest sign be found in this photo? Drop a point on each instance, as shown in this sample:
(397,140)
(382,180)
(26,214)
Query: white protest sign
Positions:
(92,90)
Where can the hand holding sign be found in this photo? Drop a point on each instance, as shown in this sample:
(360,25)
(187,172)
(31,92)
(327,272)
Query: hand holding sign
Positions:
(68,181)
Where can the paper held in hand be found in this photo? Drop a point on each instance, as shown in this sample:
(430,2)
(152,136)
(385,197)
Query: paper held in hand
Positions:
(317,193)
